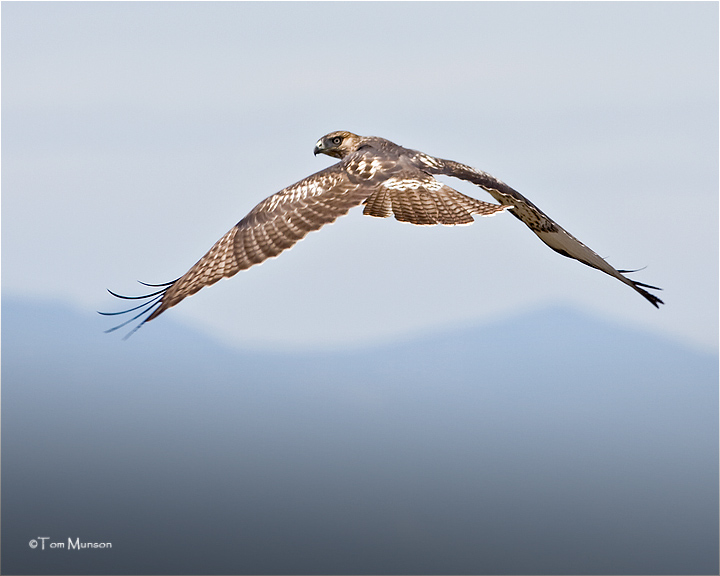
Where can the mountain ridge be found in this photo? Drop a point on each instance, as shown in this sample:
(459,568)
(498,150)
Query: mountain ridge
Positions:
(540,446)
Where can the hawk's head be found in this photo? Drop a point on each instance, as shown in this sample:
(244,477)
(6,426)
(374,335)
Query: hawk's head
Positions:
(337,144)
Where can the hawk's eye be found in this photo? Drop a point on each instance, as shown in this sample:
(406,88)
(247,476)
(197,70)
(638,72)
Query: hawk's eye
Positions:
(337,140)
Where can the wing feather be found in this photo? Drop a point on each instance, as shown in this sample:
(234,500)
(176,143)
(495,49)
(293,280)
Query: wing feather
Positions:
(278,241)
(549,231)
(274,225)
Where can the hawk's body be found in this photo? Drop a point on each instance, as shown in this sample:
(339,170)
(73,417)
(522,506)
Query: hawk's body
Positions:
(389,180)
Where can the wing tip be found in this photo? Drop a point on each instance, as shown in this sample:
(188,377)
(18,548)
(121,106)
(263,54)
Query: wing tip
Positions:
(152,307)
(640,289)
(654,300)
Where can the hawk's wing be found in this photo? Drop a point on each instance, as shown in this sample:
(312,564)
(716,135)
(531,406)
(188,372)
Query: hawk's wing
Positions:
(274,225)
(549,231)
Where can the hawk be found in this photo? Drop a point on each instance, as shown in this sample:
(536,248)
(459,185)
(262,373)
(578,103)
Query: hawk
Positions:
(388,180)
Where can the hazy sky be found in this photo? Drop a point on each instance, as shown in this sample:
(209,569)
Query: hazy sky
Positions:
(134,135)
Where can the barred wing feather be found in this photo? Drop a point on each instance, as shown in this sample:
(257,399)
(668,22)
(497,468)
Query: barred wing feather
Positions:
(274,225)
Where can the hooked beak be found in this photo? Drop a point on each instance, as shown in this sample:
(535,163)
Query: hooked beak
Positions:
(319,147)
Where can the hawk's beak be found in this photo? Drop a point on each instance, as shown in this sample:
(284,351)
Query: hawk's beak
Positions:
(318,148)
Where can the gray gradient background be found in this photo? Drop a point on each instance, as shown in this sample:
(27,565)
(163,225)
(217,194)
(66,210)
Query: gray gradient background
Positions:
(383,398)
(595,454)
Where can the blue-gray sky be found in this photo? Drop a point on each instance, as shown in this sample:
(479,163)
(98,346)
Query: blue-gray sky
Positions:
(134,135)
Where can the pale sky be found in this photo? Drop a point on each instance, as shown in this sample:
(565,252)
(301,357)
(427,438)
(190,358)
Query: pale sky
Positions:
(134,135)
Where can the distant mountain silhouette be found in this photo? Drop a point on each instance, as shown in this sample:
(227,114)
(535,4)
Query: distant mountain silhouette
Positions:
(552,443)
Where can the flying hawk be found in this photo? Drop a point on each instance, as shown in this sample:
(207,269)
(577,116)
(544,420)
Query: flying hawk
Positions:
(388,180)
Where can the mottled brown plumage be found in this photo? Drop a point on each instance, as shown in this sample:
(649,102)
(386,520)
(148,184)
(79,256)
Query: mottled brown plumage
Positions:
(390,181)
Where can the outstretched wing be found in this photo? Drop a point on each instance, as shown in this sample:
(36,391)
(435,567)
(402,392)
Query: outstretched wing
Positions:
(274,225)
(549,231)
